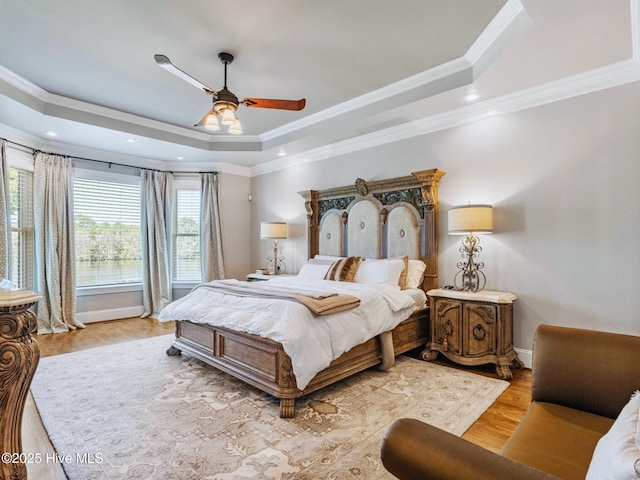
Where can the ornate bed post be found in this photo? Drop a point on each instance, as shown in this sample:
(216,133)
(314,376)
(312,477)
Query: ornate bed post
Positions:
(311,206)
(19,356)
(429,189)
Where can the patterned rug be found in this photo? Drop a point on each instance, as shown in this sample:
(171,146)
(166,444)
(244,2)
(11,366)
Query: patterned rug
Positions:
(128,411)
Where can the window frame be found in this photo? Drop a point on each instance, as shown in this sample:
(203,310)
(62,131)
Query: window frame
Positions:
(191,182)
(24,161)
(108,177)
(25,230)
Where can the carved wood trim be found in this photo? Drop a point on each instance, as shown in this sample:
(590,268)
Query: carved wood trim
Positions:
(19,357)
(420,189)
(409,334)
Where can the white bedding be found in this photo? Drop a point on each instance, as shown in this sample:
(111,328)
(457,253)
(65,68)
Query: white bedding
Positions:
(311,342)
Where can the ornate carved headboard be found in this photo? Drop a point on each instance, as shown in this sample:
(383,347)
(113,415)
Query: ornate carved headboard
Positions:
(378,219)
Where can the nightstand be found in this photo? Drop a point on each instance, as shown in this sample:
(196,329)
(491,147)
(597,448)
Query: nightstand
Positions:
(473,328)
(259,277)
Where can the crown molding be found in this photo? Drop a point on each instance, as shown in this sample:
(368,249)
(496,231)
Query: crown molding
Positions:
(22,84)
(419,80)
(508,14)
(37,143)
(580,84)
(510,22)
(26,93)
(504,27)
(609,76)
(449,75)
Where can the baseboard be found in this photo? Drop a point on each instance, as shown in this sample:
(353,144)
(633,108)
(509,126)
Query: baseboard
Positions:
(526,356)
(111,314)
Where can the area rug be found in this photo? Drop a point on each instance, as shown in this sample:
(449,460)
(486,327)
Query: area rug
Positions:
(128,411)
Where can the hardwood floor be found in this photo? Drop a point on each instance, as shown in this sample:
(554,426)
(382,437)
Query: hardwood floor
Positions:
(491,430)
(102,333)
(495,425)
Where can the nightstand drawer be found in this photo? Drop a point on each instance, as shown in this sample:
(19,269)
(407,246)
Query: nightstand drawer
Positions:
(481,331)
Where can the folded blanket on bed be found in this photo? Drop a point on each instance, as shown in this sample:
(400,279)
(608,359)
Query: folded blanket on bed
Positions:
(319,303)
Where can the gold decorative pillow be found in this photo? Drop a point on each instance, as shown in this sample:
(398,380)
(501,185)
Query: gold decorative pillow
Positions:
(343,270)
(402,282)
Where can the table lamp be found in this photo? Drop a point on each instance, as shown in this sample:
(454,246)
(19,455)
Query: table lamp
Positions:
(470,220)
(276,231)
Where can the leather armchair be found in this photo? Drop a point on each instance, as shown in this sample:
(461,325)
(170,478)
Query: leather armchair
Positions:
(581,380)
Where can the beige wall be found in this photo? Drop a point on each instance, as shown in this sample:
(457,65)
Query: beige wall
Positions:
(563,180)
(235,218)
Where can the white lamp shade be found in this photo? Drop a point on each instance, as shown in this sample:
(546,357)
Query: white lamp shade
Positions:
(273,230)
(228,118)
(467,219)
(236,128)
(212,123)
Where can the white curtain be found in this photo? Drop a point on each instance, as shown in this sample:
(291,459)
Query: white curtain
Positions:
(156,216)
(54,242)
(5,214)
(210,231)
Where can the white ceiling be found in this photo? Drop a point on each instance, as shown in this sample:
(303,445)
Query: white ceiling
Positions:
(368,69)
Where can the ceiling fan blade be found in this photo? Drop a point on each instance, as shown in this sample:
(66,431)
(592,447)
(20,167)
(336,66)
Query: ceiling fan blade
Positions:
(278,104)
(165,63)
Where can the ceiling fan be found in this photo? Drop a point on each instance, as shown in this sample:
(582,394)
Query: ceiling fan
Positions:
(225,103)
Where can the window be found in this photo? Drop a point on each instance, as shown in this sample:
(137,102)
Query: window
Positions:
(186,259)
(21,189)
(107,232)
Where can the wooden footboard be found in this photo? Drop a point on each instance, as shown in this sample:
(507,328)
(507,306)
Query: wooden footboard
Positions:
(264,364)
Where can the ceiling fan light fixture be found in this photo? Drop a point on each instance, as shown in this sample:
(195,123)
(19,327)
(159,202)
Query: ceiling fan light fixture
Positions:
(228,118)
(225,102)
(212,123)
(236,128)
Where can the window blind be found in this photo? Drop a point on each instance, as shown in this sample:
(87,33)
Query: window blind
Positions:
(108,239)
(22,256)
(186,256)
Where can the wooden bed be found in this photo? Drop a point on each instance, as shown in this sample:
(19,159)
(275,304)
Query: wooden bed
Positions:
(379,219)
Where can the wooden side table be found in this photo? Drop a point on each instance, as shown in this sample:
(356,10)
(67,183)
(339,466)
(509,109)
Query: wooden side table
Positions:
(19,356)
(258,277)
(473,328)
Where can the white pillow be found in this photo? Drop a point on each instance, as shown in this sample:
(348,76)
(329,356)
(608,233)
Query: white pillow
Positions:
(384,271)
(312,271)
(414,274)
(617,452)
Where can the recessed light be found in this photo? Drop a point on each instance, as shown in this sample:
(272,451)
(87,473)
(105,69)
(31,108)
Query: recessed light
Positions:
(282,153)
(130,140)
(470,97)
(52,134)
(180,158)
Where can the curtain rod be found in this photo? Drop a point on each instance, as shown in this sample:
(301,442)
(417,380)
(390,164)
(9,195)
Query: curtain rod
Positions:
(34,151)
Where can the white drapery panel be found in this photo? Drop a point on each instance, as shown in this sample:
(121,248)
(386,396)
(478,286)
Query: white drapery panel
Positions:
(211,252)
(5,214)
(54,243)
(156,215)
